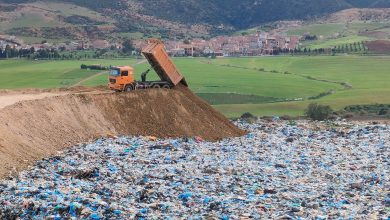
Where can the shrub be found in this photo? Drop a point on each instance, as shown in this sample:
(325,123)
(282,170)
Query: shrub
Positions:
(248,117)
(383,111)
(318,112)
(286,117)
(94,67)
(349,115)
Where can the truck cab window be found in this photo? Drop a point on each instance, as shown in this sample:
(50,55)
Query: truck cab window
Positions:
(125,73)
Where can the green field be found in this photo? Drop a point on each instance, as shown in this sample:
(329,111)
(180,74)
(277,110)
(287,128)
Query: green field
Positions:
(261,85)
(47,74)
(325,30)
(330,43)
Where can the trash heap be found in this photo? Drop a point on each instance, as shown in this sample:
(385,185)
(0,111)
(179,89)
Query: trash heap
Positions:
(281,169)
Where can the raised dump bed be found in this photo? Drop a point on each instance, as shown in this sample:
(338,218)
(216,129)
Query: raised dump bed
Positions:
(161,63)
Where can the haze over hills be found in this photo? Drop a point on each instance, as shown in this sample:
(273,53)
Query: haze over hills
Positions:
(162,18)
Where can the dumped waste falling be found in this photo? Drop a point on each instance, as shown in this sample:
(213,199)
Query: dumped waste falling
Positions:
(279,170)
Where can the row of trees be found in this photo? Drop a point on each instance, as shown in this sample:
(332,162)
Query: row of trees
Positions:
(61,53)
(12,52)
(128,49)
(356,47)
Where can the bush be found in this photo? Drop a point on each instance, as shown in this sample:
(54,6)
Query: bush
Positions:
(349,115)
(318,112)
(248,117)
(383,111)
(94,67)
(286,117)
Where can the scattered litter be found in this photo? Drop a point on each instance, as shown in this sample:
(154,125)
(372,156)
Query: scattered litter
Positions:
(151,138)
(279,170)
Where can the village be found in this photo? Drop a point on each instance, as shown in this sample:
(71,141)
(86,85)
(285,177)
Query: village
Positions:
(255,44)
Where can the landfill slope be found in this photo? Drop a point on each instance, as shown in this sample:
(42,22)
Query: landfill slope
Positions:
(31,130)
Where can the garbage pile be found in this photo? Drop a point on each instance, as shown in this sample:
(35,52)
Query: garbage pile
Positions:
(285,170)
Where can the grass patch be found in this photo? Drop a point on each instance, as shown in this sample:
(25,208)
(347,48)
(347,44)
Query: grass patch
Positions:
(318,29)
(18,73)
(232,98)
(330,43)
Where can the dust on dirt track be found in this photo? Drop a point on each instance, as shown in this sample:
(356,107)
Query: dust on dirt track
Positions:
(33,129)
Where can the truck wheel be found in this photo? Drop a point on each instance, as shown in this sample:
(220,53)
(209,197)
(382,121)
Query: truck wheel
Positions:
(166,87)
(156,86)
(128,89)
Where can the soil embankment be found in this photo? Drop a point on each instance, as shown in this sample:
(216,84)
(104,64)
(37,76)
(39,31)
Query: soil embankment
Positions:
(34,129)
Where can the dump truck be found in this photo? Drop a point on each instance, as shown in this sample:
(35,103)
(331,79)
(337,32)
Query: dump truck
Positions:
(121,78)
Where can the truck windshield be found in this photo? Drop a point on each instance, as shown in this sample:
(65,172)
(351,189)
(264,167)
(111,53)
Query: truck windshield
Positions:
(114,72)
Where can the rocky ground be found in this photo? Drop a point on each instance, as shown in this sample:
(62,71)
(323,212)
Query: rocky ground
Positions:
(280,170)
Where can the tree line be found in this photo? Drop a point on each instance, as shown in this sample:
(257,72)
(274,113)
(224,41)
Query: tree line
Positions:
(31,53)
(61,53)
(356,47)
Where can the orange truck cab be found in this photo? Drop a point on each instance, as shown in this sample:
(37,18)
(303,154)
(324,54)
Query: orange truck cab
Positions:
(121,77)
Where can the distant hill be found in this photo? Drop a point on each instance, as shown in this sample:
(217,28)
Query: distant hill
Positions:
(161,18)
(356,14)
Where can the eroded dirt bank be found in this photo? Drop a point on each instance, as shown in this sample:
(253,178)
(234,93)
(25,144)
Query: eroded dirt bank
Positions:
(35,129)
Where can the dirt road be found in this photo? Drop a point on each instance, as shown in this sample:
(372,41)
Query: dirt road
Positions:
(8,98)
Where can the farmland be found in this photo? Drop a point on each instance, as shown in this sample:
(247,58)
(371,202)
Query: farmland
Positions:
(262,86)
(336,34)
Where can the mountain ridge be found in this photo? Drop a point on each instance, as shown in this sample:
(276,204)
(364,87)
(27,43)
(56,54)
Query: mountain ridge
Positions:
(160,18)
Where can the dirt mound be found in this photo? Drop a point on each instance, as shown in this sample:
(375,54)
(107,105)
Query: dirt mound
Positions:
(379,46)
(34,129)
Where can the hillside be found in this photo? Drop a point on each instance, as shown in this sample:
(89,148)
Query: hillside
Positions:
(115,19)
(346,27)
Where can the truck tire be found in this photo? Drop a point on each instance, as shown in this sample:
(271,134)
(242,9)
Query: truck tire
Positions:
(156,86)
(166,86)
(129,88)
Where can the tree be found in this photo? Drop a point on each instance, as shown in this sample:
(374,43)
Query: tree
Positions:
(364,46)
(7,51)
(128,46)
(318,112)
(359,46)
(2,53)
